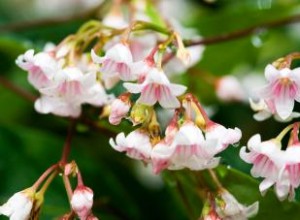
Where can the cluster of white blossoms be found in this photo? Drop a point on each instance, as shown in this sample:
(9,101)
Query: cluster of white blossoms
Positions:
(278,167)
(63,87)
(184,146)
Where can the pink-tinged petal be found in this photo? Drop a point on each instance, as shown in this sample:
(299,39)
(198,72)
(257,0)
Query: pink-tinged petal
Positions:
(265,185)
(119,53)
(38,79)
(96,58)
(110,82)
(160,156)
(133,87)
(282,186)
(166,99)
(254,141)
(198,163)
(177,89)
(125,72)
(284,104)
(271,73)
(148,95)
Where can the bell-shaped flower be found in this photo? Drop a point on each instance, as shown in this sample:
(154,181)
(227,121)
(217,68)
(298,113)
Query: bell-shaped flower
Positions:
(19,206)
(157,88)
(283,88)
(289,175)
(230,209)
(223,136)
(136,145)
(267,159)
(119,110)
(82,201)
(116,65)
(41,67)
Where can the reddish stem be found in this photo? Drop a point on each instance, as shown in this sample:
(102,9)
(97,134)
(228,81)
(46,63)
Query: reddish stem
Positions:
(44,176)
(67,145)
(17,90)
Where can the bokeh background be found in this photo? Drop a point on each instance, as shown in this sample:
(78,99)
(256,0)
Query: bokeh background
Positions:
(125,189)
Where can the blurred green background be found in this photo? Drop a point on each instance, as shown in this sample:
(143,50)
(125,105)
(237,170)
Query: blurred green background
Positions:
(124,189)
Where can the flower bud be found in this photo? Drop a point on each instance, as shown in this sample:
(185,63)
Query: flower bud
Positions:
(140,113)
(82,201)
(119,109)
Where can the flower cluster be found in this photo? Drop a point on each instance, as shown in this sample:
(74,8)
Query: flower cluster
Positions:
(185,144)
(64,88)
(278,167)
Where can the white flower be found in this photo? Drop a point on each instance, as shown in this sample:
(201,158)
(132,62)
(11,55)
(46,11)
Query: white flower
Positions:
(82,201)
(283,88)
(228,88)
(233,210)
(267,160)
(19,206)
(115,65)
(223,136)
(157,88)
(136,145)
(41,67)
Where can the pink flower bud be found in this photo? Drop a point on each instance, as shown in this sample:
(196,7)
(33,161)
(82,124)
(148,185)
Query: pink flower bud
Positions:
(82,201)
(119,109)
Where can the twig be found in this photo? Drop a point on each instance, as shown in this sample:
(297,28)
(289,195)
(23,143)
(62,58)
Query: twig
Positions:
(244,32)
(17,90)
(25,25)
(67,145)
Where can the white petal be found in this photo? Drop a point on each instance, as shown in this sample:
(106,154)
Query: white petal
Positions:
(177,89)
(265,185)
(271,73)
(167,100)
(96,58)
(284,104)
(133,87)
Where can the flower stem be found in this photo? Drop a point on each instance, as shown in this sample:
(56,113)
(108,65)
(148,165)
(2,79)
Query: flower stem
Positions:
(48,182)
(67,145)
(68,186)
(44,176)
(215,179)
(284,132)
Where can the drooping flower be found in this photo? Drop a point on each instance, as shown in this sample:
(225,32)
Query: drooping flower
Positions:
(223,136)
(265,109)
(228,208)
(116,65)
(82,201)
(267,160)
(119,109)
(41,67)
(157,88)
(283,89)
(136,145)
(19,206)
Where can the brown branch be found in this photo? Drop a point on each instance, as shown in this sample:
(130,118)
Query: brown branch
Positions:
(244,32)
(17,90)
(25,25)
(67,145)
